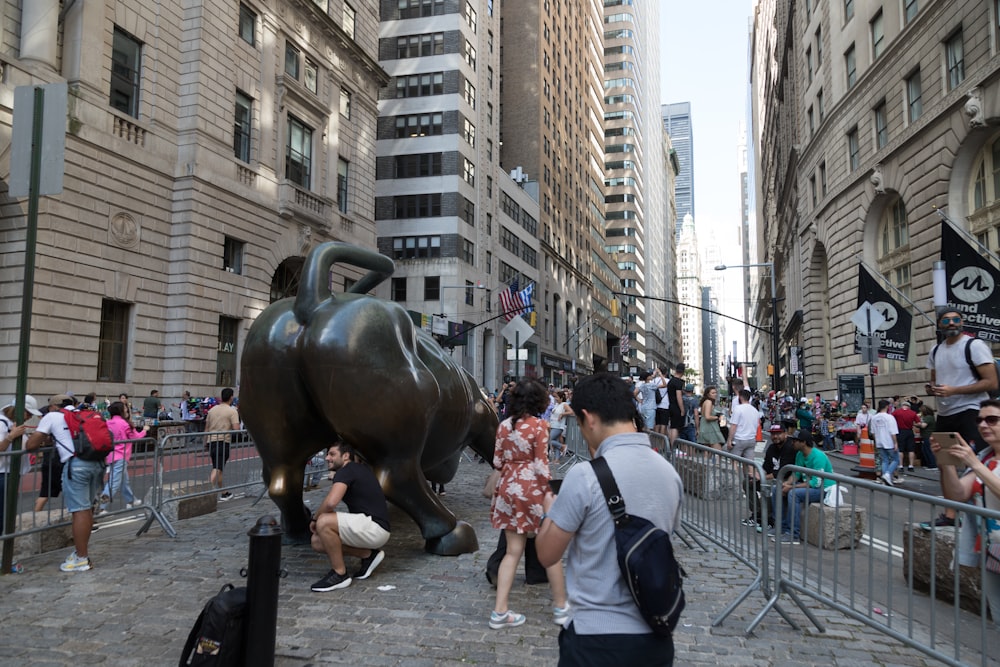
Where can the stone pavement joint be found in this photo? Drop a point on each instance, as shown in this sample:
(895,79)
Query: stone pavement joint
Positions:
(139,602)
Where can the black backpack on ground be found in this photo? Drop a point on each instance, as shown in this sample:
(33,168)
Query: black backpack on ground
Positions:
(218,636)
(646,559)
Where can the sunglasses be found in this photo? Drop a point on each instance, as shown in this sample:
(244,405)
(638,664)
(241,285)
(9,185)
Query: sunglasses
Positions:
(951,320)
(991,420)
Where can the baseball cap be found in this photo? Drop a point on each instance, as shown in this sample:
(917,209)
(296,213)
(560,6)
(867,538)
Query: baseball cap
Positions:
(59,399)
(803,435)
(689,388)
(30,404)
(776,428)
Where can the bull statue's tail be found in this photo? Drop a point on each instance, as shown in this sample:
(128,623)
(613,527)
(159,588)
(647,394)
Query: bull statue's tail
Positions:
(314,288)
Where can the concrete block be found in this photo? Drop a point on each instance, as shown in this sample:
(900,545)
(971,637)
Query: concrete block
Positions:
(834,527)
(195,500)
(709,478)
(940,567)
(50,538)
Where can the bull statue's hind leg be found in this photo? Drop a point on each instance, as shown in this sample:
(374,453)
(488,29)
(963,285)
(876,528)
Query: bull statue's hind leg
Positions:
(405,485)
(284,486)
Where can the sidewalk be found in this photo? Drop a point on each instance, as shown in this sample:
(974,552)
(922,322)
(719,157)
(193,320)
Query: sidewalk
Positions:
(138,604)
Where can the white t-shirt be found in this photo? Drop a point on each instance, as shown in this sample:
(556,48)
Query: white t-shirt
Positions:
(5,426)
(862,419)
(881,427)
(558,417)
(54,424)
(745,418)
(950,368)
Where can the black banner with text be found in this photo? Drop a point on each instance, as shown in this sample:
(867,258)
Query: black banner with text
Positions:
(972,285)
(894,333)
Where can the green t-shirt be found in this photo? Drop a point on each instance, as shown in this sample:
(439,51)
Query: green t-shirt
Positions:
(817,460)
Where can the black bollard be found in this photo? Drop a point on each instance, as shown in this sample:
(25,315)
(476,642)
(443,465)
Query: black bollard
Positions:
(263,573)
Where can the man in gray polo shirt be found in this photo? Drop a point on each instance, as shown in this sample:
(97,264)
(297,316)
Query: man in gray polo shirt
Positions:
(605,626)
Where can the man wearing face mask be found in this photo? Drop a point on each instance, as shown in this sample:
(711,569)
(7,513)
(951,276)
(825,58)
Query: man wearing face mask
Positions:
(959,390)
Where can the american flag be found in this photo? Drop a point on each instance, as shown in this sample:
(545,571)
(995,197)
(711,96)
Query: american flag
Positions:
(514,302)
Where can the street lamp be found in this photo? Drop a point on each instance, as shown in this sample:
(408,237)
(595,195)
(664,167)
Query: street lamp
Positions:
(775,377)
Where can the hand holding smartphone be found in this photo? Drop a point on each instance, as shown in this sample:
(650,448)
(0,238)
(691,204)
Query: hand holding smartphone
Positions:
(554,484)
(947,439)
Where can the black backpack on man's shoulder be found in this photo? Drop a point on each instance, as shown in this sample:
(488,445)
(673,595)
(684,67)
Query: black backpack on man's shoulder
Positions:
(646,558)
(218,636)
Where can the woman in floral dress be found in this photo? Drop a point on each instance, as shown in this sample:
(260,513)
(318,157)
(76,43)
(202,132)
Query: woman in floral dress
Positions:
(521,456)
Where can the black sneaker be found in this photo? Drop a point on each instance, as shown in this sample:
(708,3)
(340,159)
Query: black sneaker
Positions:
(331,582)
(369,564)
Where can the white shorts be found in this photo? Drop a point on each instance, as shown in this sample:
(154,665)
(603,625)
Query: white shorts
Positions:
(744,448)
(360,531)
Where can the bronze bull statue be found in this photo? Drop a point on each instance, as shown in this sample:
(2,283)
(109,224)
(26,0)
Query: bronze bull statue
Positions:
(321,365)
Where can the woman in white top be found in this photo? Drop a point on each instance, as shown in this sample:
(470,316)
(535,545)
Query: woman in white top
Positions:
(557,426)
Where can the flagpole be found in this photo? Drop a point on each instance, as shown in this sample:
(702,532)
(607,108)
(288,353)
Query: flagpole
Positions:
(902,296)
(966,234)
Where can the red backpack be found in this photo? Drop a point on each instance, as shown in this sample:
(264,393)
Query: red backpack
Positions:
(91,436)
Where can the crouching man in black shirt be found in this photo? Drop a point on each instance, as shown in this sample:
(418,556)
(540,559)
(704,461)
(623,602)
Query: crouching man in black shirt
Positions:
(360,531)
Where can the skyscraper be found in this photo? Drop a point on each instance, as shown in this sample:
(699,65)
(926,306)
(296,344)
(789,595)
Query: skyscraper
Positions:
(677,121)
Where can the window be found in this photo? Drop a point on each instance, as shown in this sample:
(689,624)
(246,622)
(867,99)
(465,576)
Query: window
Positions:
(470,15)
(468,212)
(398,289)
(878,35)
(112,346)
(420,85)
(809,63)
(469,172)
(820,107)
(881,126)
(812,121)
(853,149)
(298,153)
(311,76)
(822,178)
(985,189)
(470,54)
(409,9)
(489,150)
(417,165)
(432,288)
(421,125)
(489,187)
(291,60)
(232,255)
(910,9)
(809,9)
(469,132)
(345,103)
(851,63)
(489,263)
(225,367)
(416,247)
(469,257)
(416,46)
(893,246)
(894,231)
(418,206)
(248,25)
(489,224)
(343,172)
(470,93)
(819,45)
(489,78)
(241,126)
(914,92)
(954,50)
(350,17)
(812,189)
(125,62)
(848,10)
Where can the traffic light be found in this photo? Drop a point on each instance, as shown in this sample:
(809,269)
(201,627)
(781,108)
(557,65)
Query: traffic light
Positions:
(533,319)
(614,307)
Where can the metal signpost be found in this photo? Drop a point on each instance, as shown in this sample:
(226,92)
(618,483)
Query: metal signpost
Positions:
(39,127)
(517,332)
(868,319)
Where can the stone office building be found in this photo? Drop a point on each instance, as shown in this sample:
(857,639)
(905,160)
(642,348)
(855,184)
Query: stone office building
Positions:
(209,146)
(871,117)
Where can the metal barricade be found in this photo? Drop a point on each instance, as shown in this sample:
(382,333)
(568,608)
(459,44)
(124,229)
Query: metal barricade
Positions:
(726,504)
(871,558)
(183,468)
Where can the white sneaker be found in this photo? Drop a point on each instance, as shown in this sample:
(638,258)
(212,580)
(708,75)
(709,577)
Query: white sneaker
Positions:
(128,506)
(887,478)
(74,563)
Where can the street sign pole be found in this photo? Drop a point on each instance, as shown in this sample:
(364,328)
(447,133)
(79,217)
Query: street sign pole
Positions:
(30,241)
(874,360)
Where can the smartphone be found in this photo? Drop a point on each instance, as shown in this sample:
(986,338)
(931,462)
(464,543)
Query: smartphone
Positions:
(554,484)
(946,439)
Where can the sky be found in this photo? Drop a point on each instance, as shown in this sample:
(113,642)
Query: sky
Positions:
(703,52)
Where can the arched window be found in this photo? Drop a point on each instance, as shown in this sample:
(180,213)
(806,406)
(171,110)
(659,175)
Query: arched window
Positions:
(894,261)
(984,195)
